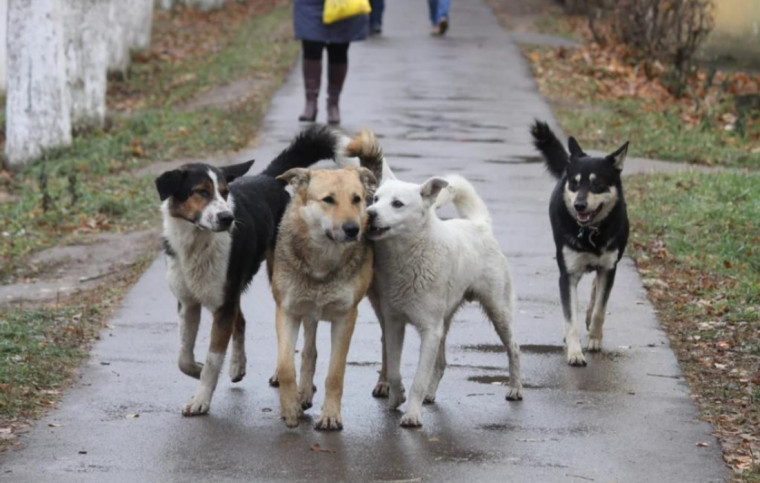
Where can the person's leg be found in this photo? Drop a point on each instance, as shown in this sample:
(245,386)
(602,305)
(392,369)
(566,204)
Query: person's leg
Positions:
(312,77)
(376,17)
(433,11)
(443,16)
(337,68)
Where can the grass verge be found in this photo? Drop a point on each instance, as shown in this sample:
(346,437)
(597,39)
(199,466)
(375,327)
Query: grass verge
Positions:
(90,187)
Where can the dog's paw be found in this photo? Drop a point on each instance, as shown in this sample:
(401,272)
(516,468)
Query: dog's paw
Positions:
(576,359)
(274,381)
(291,413)
(381,389)
(197,407)
(429,399)
(411,419)
(515,394)
(329,422)
(396,398)
(237,368)
(594,344)
(191,368)
(306,397)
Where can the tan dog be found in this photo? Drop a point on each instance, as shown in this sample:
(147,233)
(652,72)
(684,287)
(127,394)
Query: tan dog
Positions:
(322,270)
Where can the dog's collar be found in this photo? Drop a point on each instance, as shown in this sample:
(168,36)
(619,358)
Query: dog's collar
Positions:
(588,231)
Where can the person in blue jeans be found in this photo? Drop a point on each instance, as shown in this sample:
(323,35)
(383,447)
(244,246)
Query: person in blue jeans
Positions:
(376,16)
(439,15)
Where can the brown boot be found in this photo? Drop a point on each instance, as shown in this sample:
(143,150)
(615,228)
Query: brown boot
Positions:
(336,75)
(312,78)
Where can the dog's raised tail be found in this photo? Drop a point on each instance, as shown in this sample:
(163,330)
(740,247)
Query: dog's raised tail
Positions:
(366,147)
(466,200)
(311,145)
(555,156)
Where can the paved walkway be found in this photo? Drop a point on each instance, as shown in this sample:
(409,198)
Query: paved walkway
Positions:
(461,103)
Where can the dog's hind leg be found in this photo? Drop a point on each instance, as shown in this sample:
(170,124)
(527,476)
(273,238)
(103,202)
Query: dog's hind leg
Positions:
(308,362)
(287,333)
(237,358)
(568,292)
(499,307)
(598,307)
(440,365)
(189,320)
(431,335)
(341,331)
(381,387)
(221,331)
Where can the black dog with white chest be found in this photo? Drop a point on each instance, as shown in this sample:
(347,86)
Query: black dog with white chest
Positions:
(590,226)
(218,227)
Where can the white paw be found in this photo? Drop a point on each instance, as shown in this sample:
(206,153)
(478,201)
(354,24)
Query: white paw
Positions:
(197,407)
(291,413)
(575,358)
(411,419)
(515,393)
(191,368)
(305,397)
(594,344)
(329,422)
(396,397)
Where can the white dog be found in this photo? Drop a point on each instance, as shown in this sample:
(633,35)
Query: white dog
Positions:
(425,269)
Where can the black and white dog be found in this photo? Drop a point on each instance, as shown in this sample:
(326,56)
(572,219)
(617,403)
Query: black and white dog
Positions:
(590,226)
(218,228)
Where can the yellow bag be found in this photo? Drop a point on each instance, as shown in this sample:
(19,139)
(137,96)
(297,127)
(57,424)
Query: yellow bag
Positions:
(341,9)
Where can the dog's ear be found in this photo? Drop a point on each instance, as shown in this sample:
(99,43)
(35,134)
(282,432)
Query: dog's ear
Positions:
(236,170)
(430,189)
(575,148)
(296,177)
(618,157)
(169,183)
(368,179)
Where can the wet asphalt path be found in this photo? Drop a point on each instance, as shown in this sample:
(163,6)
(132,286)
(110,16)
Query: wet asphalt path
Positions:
(462,103)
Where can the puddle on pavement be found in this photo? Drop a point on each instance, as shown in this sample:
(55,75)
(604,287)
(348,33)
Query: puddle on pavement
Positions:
(516,160)
(525,349)
(500,380)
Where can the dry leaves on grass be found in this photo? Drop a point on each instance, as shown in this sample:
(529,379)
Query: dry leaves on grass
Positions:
(724,377)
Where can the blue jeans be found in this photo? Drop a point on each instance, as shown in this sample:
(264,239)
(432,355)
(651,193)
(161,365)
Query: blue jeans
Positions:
(376,16)
(438,10)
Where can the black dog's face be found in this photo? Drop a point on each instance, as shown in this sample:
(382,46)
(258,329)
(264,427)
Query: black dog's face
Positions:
(199,193)
(592,184)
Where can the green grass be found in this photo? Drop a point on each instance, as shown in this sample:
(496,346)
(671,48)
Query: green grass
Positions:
(89,186)
(709,222)
(657,134)
(37,350)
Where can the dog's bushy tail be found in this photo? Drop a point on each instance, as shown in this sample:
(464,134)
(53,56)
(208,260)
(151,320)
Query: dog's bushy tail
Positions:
(555,156)
(311,145)
(466,200)
(366,147)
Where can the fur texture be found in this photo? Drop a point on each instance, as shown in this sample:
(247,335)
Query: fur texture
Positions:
(590,226)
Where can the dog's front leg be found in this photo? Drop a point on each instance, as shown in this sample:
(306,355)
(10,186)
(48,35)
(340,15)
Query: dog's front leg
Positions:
(308,362)
(431,334)
(189,320)
(598,307)
(568,291)
(221,331)
(287,325)
(381,387)
(341,331)
(394,342)
(237,358)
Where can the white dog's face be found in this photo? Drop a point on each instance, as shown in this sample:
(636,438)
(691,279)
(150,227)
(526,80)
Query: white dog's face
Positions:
(401,208)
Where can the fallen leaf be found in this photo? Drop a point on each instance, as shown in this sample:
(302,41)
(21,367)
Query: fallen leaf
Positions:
(318,449)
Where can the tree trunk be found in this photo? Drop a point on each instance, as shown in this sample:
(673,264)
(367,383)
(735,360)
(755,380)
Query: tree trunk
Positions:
(37,105)
(118,44)
(3,44)
(204,5)
(85,34)
(140,22)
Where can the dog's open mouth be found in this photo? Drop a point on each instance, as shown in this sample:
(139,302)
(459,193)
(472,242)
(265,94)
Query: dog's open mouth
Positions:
(587,216)
(375,231)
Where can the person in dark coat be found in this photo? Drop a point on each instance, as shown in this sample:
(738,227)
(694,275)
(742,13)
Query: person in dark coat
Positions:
(315,36)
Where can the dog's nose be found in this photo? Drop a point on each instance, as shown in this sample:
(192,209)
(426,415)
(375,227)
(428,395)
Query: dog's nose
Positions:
(580,206)
(372,215)
(225,219)
(351,229)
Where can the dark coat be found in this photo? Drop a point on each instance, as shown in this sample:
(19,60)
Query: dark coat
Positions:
(307,23)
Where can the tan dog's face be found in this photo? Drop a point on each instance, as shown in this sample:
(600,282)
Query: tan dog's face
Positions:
(333,202)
